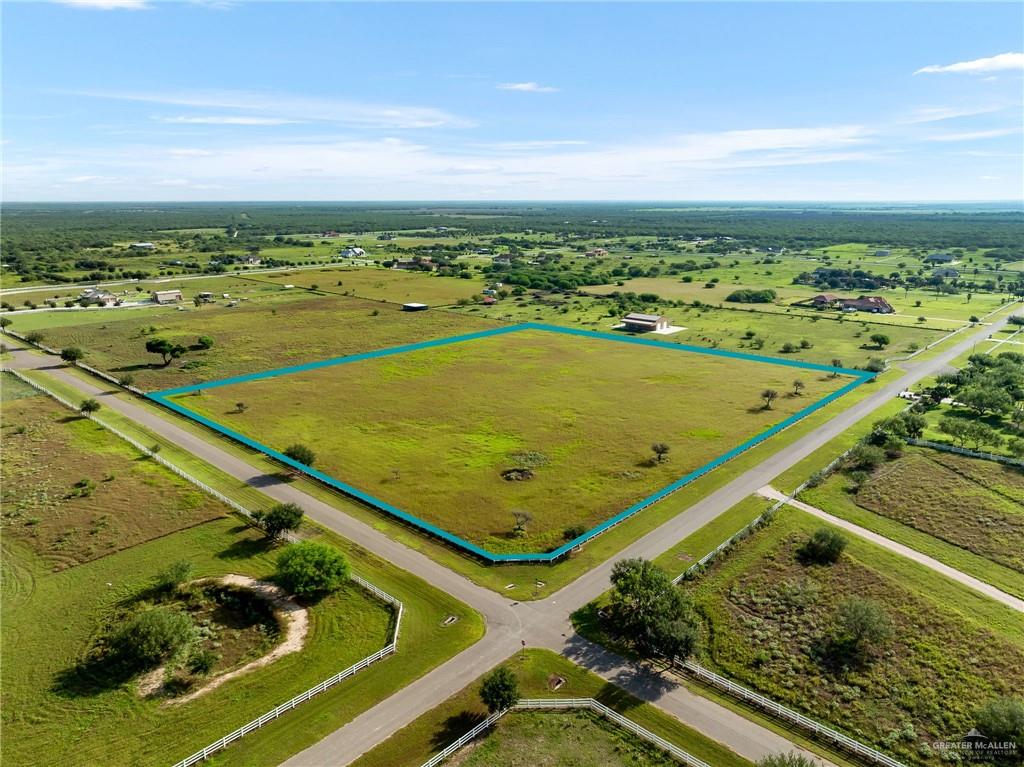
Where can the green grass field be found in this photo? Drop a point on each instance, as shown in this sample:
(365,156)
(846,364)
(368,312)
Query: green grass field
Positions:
(968,513)
(559,739)
(51,619)
(581,415)
(72,492)
(769,619)
(252,337)
(536,669)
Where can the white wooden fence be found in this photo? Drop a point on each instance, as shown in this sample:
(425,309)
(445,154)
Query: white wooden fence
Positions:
(571,703)
(964,451)
(302,697)
(767,704)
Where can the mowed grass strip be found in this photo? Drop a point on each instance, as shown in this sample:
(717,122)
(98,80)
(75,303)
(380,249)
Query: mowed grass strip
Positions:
(432,431)
(251,337)
(770,618)
(537,671)
(73,492)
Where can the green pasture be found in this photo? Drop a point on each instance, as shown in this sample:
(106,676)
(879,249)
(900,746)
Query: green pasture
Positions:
(579,414)
(251,337)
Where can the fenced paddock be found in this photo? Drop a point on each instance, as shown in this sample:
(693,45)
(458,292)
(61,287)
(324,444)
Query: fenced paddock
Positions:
(555,704)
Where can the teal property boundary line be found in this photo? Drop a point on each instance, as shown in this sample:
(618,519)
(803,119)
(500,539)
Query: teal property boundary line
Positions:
(163,398)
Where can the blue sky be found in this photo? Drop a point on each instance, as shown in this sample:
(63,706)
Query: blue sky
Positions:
(137,100)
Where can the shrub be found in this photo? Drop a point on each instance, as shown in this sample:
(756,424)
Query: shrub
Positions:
(89,406)
(71,354)
(575,531)
(1002,720)
(500,690)
(824,547)
(153,636)
(202,662)
(173,576)
(204,342)
(864,457)
(312,569)
(792,759)
(861,623)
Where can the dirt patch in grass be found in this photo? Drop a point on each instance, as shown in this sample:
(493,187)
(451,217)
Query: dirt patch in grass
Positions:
(73,492)
(556,739)
(769,618)
(970,503)
(235,627)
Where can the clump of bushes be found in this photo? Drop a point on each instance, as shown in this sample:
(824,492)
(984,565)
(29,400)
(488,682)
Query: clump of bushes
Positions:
(824,547)
(312,569)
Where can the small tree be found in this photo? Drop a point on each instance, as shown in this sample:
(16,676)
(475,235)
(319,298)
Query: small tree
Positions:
(279,519)
(126,380)
(881,340)
(836,363)
(500,690)
(311,569)
(165,349)
(173,576)
(824,547)
(769,396)
(241,407)
(860,624)
(520,519)
(89,406)
(300,453)
(153,636)
(204,342)
(798,386)
(5,322)
(661,450)
(71,354)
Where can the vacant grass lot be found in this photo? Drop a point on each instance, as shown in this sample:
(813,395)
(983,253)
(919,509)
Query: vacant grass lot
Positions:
(379,284)
(432,431)
(559,739)
(251,337)
(975,504)
(770,618)
(72,492)
(537,670)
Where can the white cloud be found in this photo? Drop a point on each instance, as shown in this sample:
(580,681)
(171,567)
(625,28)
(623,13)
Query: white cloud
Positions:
(975,135)
(172,182)
(935,114)
(84,179)
(106,5)
(297,108)
(224,120)
(189,152)
(1000,63)
(514,146)
(526,87)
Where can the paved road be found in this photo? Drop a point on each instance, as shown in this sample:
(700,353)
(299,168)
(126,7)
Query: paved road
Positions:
(905,551)
(544,623)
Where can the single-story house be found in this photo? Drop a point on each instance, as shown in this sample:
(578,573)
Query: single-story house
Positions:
(643,323)
(166,296)
(874,304)
(424,263)
(882,253)
(352,253)
(504,260)
(414,307)
(205,297)
(946,271)
(938,258)
(142,245)
(490,300)
(252,260)
(596,253)
(97,296)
